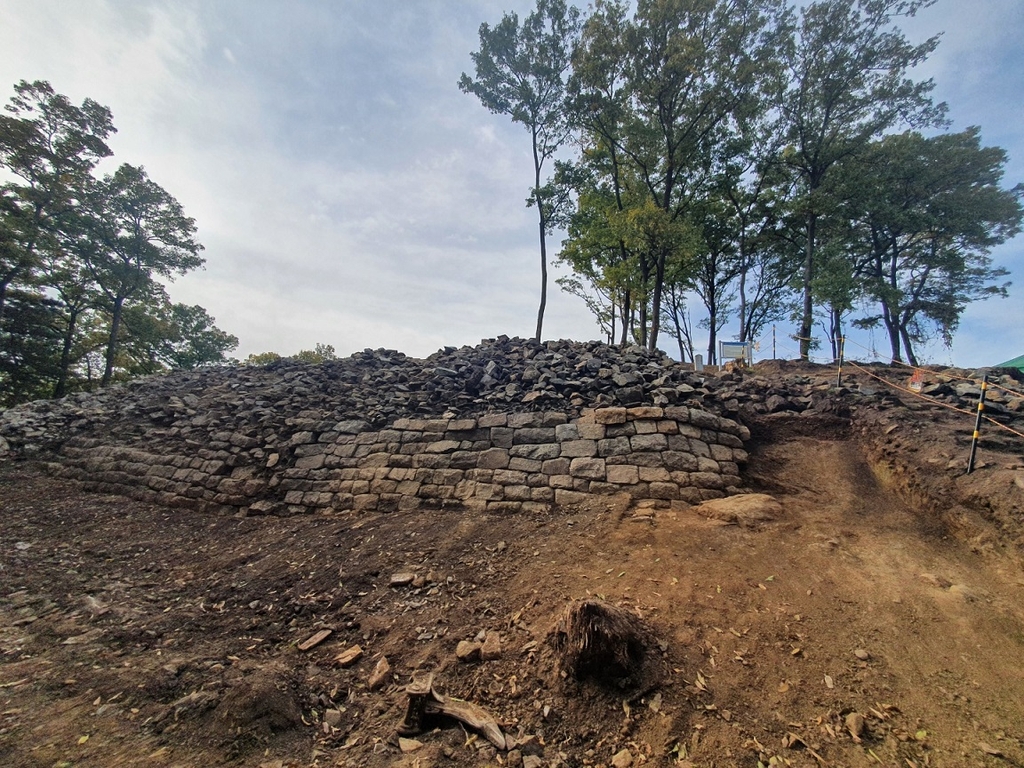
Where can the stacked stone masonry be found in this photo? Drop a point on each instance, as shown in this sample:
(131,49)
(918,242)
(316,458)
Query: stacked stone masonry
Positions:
(511,462)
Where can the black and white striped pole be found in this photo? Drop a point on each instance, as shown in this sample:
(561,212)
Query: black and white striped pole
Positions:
(977,423)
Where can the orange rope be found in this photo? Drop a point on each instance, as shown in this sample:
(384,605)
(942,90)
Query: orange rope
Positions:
(933,401)
(943,375)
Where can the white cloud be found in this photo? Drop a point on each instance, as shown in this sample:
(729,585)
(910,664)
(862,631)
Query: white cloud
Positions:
(346,191)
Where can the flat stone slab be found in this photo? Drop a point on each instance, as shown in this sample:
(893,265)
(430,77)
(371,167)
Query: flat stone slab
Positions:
(748,509)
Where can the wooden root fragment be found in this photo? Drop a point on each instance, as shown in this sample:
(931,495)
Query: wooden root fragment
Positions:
(425,702)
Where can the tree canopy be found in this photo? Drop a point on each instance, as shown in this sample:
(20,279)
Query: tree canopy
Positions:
(84,259)
(767,163)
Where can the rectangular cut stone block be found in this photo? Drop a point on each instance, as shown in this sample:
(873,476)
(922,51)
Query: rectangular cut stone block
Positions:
(553,418)
(667,427)
(645,412)
(504,507)
(679,461)
(654,474)
(664,491)
(739,456)
(517,492)
(691,495)
(533,435)
(652,459)
(706,480)
(704,420)
(730,440)
(721,453)
(610,416)
(480,475)
(613,446)
(488,491)
(493,420)
(700,448)
(581,484)
(530,466)
(365,502)
(461,425)
(408,488)
(431,460)
(502,437)
(465,490)
(589,431)
(542,451)
(555,467)
(620,430)
(442,446)
(384,486)
(623,474)
(565,497)
(560,481)
(542,494)
(708,465)
(645,426)
(567,432)
(509,477)
(592,469)
(577,448)
(494,459)
(728,468)
(521,420)
(465,459)
(655,442)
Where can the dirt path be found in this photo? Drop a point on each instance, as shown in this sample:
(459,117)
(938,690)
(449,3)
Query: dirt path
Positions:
(172,640)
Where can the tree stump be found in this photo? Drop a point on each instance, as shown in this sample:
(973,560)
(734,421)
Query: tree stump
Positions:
(609,645)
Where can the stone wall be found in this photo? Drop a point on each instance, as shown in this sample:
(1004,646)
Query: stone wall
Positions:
(501,462)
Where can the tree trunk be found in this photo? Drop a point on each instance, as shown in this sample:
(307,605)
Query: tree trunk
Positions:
(537,198)
(659,282)
(543,274)
(627,314)
(115,329)
(911,357)
(807,318)
(61,387)
(893,331)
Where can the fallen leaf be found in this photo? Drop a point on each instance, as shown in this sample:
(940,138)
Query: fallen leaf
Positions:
(829,683)
(83,739)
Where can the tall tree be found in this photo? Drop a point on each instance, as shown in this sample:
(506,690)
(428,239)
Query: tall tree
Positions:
(657,93)
(50,147)
(139,233)
(927,212)
(521,72)
(849,84)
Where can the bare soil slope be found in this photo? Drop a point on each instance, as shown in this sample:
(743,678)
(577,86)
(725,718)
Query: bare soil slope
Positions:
(845,627)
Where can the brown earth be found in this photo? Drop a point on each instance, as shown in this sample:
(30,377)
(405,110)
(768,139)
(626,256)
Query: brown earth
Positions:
(883,594)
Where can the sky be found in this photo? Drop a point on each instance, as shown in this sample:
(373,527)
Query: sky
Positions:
(348,193)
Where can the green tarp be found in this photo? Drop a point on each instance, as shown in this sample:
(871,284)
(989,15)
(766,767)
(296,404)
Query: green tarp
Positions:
(1017,362)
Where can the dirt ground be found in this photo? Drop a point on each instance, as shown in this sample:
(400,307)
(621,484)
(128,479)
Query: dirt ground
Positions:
(867,604)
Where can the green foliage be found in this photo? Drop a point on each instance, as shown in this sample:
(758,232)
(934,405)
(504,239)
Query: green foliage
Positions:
(83,259)
(321,353)
(520,72)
